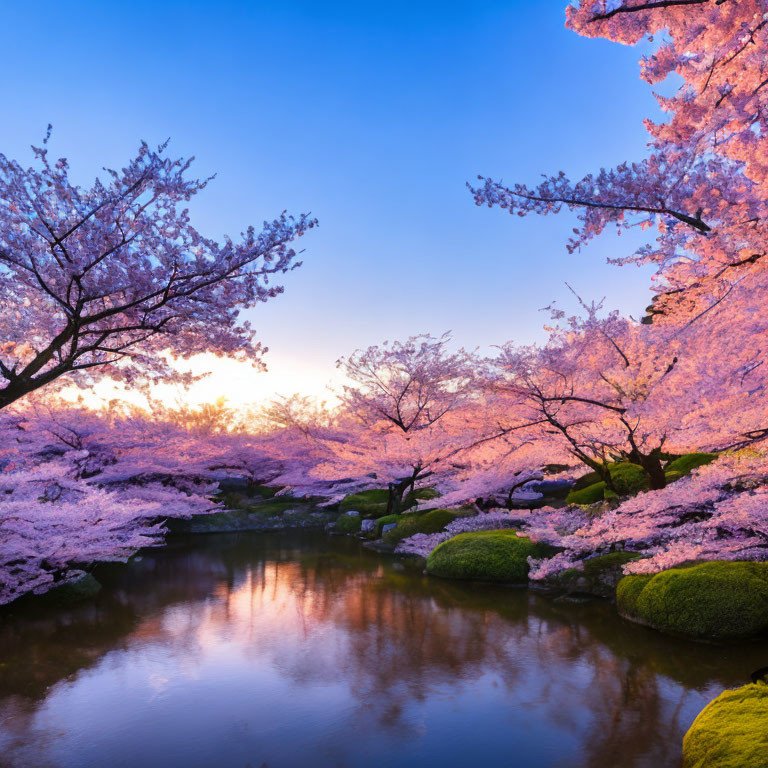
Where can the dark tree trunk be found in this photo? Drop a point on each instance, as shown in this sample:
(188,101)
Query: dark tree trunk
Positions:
(652,465)
(396,492)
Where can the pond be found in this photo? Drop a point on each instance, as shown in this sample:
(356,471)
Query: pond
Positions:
(298,649)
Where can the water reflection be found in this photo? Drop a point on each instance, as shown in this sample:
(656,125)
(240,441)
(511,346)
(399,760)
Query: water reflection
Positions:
(299,650)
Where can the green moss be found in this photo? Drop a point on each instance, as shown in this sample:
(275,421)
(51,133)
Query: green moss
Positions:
(420,494)
(731,731)
(386,520)
(486,555)
(684,464)
(372,503)
(628,590)
(601,563)
(629,479)
(588,495)
(265,503)
(348,523)
(586,480)
(425,522)
(714,600)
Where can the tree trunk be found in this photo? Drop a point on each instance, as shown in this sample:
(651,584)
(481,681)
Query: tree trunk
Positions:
(652,465)
(396,492)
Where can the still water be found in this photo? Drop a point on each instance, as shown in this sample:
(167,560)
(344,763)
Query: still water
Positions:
(297,649)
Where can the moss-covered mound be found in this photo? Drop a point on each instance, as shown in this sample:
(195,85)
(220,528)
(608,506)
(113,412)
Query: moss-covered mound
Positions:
(432,521)
(628,590)
(348,523)
(628,479)
(685,464)
(420,494)
(589,495)
(707,601)
(386,520)
(485,555)
(586,480)
(731,731)
(374,502)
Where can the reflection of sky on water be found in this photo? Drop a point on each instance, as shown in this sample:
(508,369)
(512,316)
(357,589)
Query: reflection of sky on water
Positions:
(250,651)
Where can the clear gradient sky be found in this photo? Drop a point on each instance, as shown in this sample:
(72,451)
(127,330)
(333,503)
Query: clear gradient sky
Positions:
(370,115)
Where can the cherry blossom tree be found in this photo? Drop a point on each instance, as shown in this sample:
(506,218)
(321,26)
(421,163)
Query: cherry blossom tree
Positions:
(597,383)
(409,411)
(704,184)
(115,277)
(717,513)
(76,488)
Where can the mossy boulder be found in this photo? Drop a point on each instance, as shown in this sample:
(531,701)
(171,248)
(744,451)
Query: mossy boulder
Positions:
(432,521)
(420,494)
(731,731)
(628,590)
(688,462)
(599,577)
(589,495)
(706,601)
(386,520)
(628,479)
(348,523)
(586,480)
(486,556)
(374,502)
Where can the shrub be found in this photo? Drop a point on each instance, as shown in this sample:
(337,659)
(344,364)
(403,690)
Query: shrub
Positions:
(684,464)
(348,523)
(714,600)
(588,495)
(432,521)
(486,555)
(730,731)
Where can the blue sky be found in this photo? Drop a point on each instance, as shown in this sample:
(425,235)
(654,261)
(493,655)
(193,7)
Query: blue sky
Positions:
(371,116)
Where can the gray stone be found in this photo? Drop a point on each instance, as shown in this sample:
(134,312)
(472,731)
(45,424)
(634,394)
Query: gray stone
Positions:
(353,513)
(388,527)
(367,525)
(523,496)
